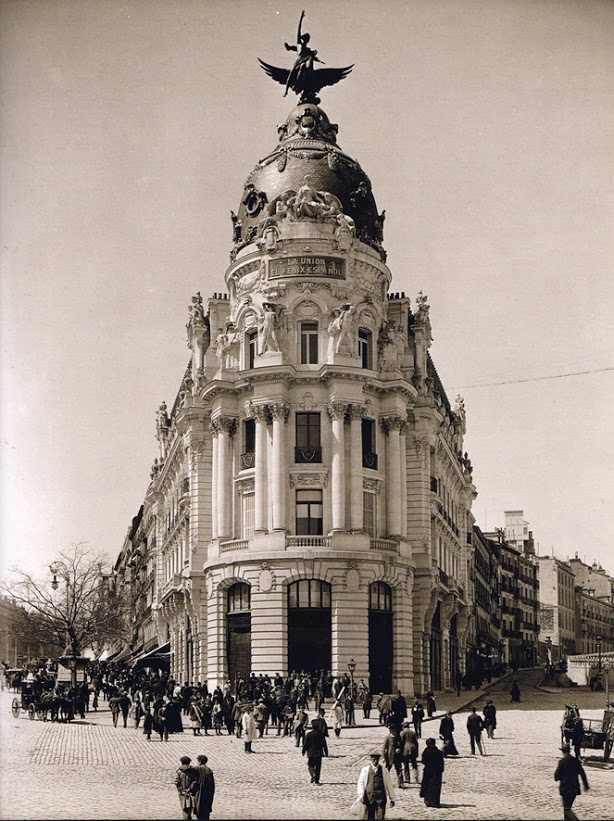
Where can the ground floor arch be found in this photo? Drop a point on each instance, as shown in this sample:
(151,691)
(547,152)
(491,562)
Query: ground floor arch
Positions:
(238,631)
(381,648)
(309,626)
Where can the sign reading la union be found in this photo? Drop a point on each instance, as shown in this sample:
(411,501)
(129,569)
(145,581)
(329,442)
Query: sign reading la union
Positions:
(309,266)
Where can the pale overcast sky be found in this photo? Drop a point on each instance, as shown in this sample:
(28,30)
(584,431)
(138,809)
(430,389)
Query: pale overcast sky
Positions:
(128,129)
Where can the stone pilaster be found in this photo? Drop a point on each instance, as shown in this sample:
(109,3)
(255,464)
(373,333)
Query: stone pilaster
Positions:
(279,480)
(215,528)
(261,414)
(269,625)
(225,426)
(391,425)
(350,628)
(337,411)
(356,414)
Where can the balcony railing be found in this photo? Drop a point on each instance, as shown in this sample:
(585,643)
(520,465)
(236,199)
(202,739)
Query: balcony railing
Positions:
(248,460)
(369,460)
(308,455)
(389,545)
(234,544)
(308,541)
(443,577)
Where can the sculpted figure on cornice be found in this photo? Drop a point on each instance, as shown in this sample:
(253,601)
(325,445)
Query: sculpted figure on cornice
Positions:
(227,346)
(196,311)
(306,203)
(341,329)
(392,346)
(269,327)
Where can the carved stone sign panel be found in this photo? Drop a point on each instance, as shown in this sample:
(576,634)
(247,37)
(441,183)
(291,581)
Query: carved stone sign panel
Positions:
(308,266)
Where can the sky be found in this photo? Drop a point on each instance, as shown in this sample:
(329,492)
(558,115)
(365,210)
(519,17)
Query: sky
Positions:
(128,128)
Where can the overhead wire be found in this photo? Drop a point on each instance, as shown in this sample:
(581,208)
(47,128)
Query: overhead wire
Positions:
(533,379)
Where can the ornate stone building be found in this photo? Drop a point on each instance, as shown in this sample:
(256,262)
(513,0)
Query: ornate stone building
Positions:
(310,503)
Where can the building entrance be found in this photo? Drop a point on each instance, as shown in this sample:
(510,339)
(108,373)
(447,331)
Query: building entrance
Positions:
(380,638)
(239,633)
(309,626)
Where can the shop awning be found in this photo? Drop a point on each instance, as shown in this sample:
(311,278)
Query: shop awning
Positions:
(157,656)
(123,655)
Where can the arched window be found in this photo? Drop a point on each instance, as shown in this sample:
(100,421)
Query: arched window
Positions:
(239,598)
(309,593)
(309,626)
(380,597)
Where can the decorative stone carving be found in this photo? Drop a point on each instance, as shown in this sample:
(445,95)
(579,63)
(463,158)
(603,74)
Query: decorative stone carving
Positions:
(260,412)
(227,346)
(162,420)
(341,329)
(225,423)
(337,410)
(304,479)
(307,309)
(265,580)
(236,227)
(246,486)
(357,411)
(372,485)
(254,201)
(392,346)
(393,422)
(268,328)
(352,580)
(306,203)
(196,311)
(421,446)
(307,402)
(279,410)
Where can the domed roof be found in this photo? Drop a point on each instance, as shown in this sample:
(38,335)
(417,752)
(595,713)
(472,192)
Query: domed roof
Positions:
(308,147)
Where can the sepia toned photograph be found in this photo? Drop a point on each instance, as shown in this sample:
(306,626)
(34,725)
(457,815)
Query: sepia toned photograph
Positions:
(306,390)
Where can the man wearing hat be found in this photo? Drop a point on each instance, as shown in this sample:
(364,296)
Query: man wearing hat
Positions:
(568,774)
(314,747)
(410,751)
(374,788)
(185,781)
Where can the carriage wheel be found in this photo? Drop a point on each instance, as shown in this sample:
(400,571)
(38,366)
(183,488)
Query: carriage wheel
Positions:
(15,707)
(31,712)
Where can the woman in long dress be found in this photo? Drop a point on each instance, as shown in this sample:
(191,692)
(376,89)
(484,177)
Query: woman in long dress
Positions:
(446,732)
(432,759)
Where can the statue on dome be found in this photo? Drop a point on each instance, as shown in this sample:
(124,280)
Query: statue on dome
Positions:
(303,78)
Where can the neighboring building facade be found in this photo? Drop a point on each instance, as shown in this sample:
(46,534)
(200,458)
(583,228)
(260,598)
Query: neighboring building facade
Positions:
(594,623)
(557,608)
(485,647)
(19,639)
(593,577)
(311,501)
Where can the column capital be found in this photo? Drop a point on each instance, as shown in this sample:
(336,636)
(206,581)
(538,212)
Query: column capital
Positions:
(393,422)
(337,410)
(260,412)
(357,411)
(279,410)
(224,423)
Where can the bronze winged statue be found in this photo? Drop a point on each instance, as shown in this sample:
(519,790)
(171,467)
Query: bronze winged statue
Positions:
(303,78)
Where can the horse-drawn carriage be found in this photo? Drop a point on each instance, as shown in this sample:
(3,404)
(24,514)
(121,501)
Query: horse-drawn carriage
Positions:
(590,733)
(29,700)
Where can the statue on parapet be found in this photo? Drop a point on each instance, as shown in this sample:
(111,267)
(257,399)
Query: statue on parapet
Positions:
(303,78)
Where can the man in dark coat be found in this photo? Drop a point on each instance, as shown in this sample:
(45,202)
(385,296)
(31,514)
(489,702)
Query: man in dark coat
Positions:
(577,737)
(314,747)
(490,718)
(475,725)
(392,751)
(185,783)
(204,789)
(417,716)
(399,709)
(410,751)
(432,775)
(568,774)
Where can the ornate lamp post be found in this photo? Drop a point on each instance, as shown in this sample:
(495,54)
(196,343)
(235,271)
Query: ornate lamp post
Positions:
(70,658)
(352,668)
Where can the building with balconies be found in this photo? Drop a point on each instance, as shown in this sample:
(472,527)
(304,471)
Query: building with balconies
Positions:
(557,608)
(311,499)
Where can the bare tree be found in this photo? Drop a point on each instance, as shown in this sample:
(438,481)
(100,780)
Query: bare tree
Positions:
(73,606)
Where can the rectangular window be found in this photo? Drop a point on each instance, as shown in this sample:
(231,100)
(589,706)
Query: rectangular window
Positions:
(251,342)
(309,343)
(369,517)
(247,515)
(364,348)
(309,513)
(308,445)
(369,455)
(249,444)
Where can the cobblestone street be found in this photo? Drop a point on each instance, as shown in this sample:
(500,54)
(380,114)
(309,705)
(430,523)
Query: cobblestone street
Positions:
(92,770)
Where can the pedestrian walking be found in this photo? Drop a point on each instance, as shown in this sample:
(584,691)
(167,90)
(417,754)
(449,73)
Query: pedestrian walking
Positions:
(204,789)
(337,718)
(392,750)
(300,724)
(196,717)
(446,733)
(314,747)
(475,725)
(577,737)
(432,774)
(417,716)
(490,718)
(430,703)
(148,722)
(367,703)
(185,780)
(124,705)
(249,729)
(515,691)
(374,788)
(399,709)
(410,752)
(458,681)
(568,773)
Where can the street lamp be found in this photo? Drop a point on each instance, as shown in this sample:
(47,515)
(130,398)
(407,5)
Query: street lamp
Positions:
(352,668)
(598,639)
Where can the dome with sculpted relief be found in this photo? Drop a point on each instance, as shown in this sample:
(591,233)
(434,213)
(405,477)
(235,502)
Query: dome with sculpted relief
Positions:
(308,153)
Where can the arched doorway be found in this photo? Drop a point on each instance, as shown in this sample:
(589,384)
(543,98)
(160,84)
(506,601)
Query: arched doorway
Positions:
(238,632)
(309,626)
(380,638)
(436,649)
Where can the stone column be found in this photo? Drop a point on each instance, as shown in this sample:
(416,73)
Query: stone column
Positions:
(261,414)
(356,514)
(392,425)
(403,479)
(337,411)
(214,472)
(226,426)
(279,478)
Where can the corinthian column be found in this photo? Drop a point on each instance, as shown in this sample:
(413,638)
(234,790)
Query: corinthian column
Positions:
(214,474)
(279,412)
(356,514)
(337,411)
(392,425)
(403,466)
(261,414)
(226,426)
